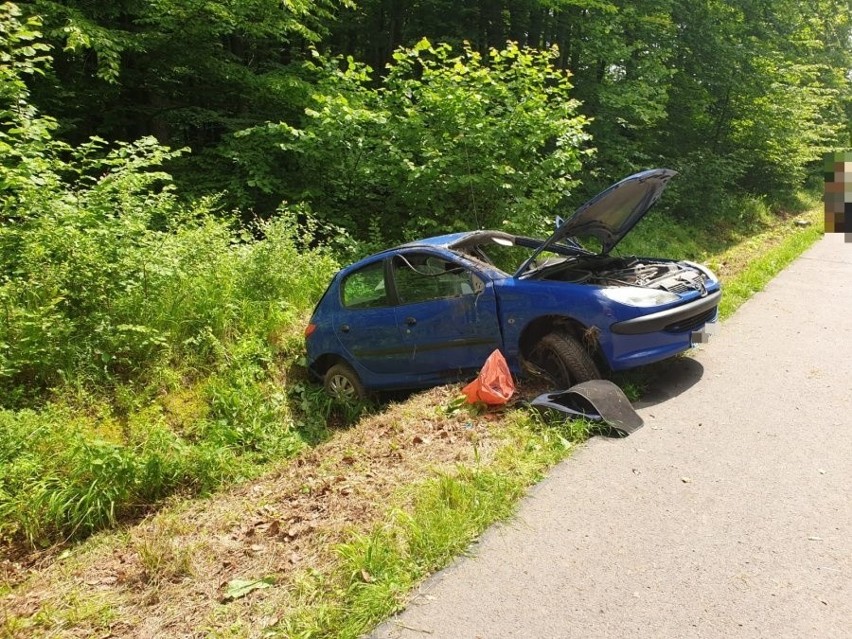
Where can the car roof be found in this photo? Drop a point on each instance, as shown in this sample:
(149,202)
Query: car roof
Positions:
(446,242)
(439,240)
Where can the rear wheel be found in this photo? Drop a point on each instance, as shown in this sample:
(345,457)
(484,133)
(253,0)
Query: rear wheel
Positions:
(342,383)
(563,359)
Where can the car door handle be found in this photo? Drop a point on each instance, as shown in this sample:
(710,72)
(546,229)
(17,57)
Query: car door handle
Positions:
(344,328)
(410,321)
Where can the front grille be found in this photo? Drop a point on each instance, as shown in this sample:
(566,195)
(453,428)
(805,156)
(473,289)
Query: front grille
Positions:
(684,282)
(681,287)
(691,323)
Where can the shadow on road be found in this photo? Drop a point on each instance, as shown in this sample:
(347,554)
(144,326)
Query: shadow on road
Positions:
(668,379)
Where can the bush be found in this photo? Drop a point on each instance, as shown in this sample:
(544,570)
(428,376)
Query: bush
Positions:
(447,141)
(101,292)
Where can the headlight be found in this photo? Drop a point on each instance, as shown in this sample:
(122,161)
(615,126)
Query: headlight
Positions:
(635,296)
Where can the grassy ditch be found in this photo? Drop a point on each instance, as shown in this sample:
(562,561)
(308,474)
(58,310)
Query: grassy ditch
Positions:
(337,538)
(98,423)
(748,266)
(80,465)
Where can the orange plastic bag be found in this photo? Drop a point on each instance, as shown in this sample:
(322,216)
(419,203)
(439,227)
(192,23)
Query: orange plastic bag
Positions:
(494,386)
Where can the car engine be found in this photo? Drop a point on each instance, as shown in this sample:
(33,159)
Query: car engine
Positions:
(676,277)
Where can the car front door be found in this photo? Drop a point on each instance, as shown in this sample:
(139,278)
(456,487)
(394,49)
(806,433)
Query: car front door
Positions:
(446,315)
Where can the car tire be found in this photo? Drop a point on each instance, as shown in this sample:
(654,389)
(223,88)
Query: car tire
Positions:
(342,383)
(563,359)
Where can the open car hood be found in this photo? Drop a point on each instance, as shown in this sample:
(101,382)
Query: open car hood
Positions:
(612,213)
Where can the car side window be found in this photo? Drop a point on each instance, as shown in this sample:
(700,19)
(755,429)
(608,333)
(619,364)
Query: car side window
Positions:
(365,288)
(420,277)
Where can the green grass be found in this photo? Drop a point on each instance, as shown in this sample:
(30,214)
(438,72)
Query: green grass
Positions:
(760,265)
(702,238)
(80,465)
(144,341)
(168,374)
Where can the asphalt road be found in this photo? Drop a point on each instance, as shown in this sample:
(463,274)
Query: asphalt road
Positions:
(728,515)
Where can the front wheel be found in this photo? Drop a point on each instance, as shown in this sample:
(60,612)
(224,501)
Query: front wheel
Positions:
(563,359)
(342,383)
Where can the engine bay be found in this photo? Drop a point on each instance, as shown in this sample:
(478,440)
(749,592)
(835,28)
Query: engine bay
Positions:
(675,277)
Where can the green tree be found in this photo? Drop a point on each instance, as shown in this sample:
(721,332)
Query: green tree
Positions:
(448,141)
(25,137)
(753,100)
(739,95)
(188,72)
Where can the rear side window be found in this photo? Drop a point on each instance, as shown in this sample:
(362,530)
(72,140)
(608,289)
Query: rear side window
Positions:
(365,288)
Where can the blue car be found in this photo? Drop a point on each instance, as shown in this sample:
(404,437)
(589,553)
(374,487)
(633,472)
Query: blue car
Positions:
(431,311)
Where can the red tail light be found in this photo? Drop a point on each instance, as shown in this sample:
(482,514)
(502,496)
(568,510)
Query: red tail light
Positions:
(309,329)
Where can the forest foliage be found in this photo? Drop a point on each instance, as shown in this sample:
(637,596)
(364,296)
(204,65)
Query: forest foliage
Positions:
(739,96)
(180,178)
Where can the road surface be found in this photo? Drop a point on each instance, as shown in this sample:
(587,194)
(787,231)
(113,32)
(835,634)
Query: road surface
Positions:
(728,515)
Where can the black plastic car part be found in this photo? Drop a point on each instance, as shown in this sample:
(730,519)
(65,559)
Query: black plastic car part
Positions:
(597,400)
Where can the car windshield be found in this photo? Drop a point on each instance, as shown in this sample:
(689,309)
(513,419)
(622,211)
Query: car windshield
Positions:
(507,252)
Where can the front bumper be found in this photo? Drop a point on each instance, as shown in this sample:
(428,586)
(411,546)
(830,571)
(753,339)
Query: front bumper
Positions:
(678,319)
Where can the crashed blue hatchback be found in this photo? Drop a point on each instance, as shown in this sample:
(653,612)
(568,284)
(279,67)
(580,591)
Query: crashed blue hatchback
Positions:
(431,311)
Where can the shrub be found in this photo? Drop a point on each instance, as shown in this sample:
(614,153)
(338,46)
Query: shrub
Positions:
(447,141)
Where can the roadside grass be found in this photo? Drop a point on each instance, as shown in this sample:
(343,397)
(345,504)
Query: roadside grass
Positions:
(82,462)
(748,267)
(378,568)
(724,242)
(140,360)
(340,533)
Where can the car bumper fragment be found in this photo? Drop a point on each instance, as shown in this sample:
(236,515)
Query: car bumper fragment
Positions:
(682,317)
